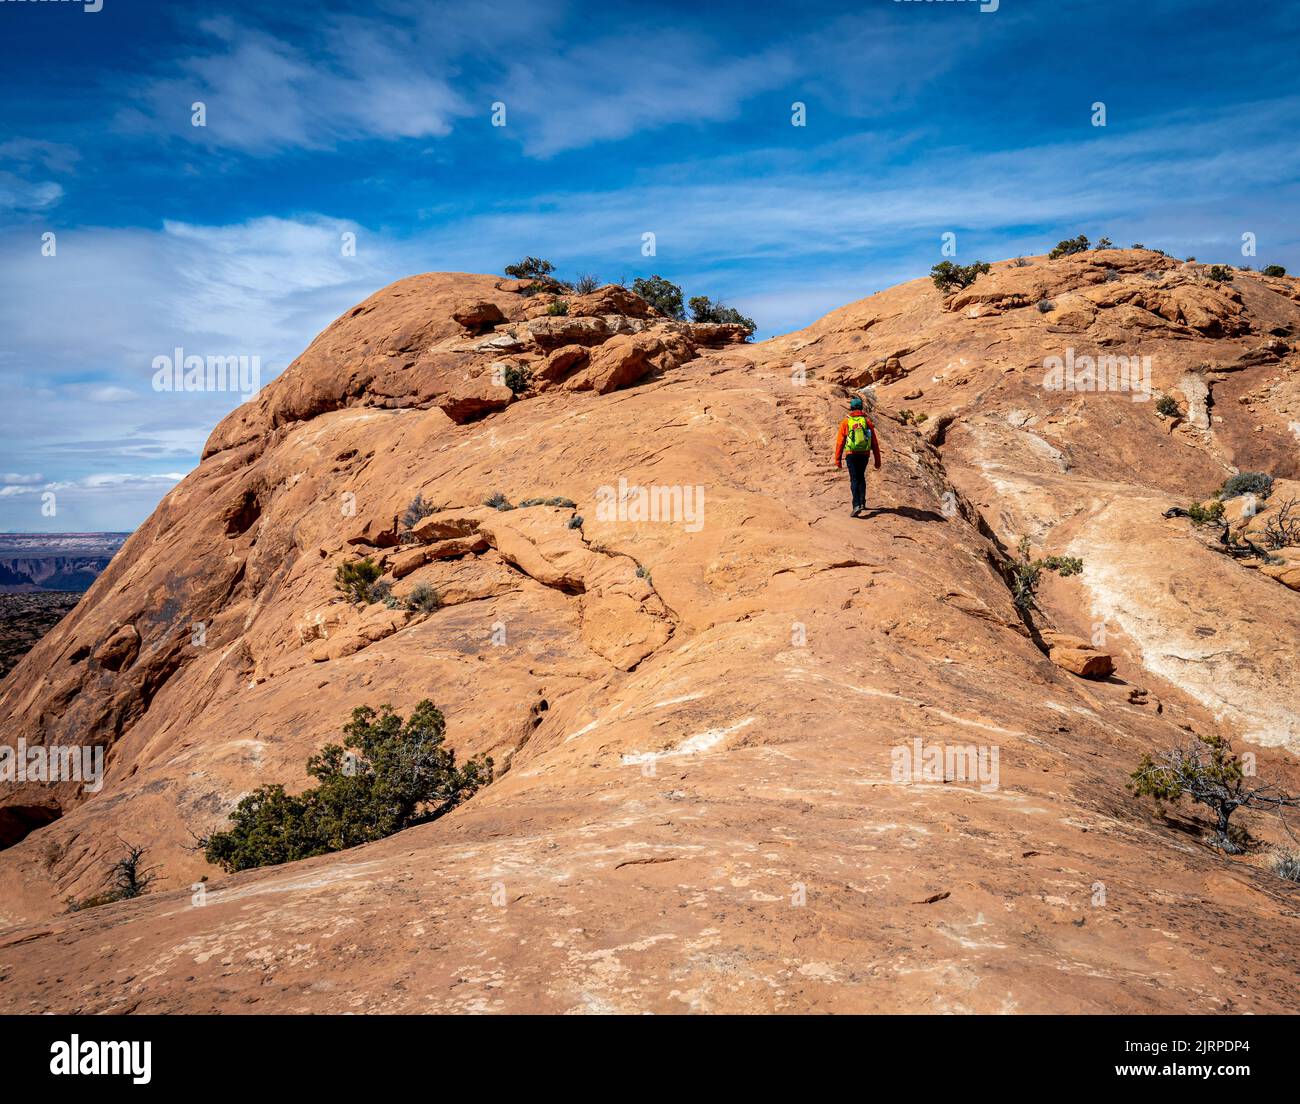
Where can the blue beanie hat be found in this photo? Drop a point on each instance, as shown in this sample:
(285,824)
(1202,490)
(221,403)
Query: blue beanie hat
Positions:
(855,403)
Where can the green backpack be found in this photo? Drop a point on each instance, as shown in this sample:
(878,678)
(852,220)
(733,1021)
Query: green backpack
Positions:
(859,436)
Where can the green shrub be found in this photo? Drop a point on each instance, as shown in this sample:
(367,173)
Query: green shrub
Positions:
(1104,243)
(1257,483)
(1138,245)
(1046,306)
(358,581)
(575,522)
(387,775)
(1274,270)
(1065,566)
(586,284)
(498,501)
(530,268)
(554,500)
(664,296)
(1069,247)
(422,599)
(518,379)
(703,310)
(1208,772)
(947,275)
(1203,515)
(1167,406)
(1026,573)
(558,308)
(1220,273)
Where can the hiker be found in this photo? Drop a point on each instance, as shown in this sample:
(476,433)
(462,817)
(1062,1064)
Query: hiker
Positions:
(856,440)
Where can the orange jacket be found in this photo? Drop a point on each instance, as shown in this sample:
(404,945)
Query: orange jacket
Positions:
(844,432)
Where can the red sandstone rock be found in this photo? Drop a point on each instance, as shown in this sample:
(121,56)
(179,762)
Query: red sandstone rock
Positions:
(702,722)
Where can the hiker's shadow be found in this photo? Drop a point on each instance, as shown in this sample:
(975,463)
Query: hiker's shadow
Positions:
(909,512)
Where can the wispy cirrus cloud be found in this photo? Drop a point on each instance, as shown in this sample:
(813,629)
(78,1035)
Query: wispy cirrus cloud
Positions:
(263,95)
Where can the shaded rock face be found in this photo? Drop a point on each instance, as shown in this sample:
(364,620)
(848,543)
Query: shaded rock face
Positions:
(713,697)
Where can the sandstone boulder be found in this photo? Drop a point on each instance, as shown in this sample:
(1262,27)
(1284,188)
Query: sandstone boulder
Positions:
(562,361)
(1078,656)
(478,315)
(452,523)
(375,533)
(475,397)
(404,563)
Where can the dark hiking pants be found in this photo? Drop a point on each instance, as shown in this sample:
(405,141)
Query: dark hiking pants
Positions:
(856,462)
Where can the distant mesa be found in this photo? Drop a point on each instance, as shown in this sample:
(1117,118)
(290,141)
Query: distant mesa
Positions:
(54,561)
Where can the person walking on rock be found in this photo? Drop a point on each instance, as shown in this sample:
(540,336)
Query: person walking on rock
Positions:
(856,441)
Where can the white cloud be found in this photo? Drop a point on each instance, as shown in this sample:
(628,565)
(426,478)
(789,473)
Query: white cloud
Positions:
(18,194)
(82,394)
(263,95)
(54,156)
(104,502)
(611,88)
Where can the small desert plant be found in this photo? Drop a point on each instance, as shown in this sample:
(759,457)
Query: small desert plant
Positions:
(389,774)
(1068,247)
(575,522)
(498,501)
(1220,273)
(1208,772)
(704,310)
(947,275)
(1104,243)
(1020,262)
(127,879)
(585,284)
(1205,515)
(553,500)
(1167,406)
(1026,573)
(1282,527)
(558,307)
(358,581)
(1046,306)
(518,379)
(530,268)
(1256,483)
(663,295)
(1286,864)
(416,512)
(1138,245)
(643,572)
(422,599)
(1273,270)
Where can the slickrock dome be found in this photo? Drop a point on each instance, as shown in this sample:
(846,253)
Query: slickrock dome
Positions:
(698,682)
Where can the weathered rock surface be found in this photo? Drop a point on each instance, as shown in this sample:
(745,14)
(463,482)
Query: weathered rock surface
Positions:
(699,692)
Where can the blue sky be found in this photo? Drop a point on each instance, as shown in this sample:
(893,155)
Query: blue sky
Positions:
(672,119)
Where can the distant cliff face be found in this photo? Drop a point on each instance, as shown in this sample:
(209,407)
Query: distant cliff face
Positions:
(55,561)
(716,700)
